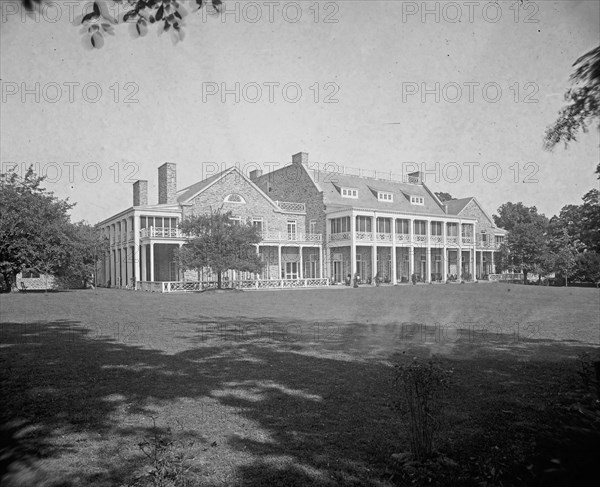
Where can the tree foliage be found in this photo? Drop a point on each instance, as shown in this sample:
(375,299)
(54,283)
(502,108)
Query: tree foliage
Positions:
(583,102)
(36,232)
(218,242)
(166,15)
(443,197)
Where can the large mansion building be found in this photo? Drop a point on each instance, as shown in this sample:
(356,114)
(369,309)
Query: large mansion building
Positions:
(316,224)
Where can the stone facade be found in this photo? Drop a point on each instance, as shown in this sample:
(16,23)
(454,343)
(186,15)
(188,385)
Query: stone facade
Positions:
(256,205)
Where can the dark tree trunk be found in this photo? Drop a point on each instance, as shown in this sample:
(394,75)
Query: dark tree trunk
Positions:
(219,278)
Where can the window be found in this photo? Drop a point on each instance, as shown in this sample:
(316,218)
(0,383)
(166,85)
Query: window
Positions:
(385,196)
(312,227)
(291,228)
(467,230)
(417,200)
(402,226)
(235,220)
(234,198)
(436,228)
(258,223)
(420,227)
(349,193)
(340,225)
(499,239)
(363,224)
(384,225)
(452,229)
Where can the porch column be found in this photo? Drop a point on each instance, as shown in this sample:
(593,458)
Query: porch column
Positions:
(144,269)
(111,263)
(130,265)
(428,256)
(136,249)
(151,261)
(352,246)
(411,261)
(122,270)
(444,252)
(373,261)
(446,263)
(428,251)
(493,269)
(280,274)
(301,270)
(459,260)
(394,270)
(320,262)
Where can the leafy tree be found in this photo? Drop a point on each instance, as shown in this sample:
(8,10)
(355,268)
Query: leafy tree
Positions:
(218,242)
(32,226)
(583,102)
(168,15)
(588,267)
(444,196)
(85,247)
(527,238)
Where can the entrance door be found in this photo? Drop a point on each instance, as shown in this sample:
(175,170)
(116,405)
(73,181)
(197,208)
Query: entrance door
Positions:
(291,270)
(337,271)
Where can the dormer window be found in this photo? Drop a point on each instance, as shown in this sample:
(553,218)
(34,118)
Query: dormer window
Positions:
(385,196)
(417,200)
(234,198)
(349,193)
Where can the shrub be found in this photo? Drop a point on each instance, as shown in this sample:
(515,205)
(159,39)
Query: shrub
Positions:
(422,385)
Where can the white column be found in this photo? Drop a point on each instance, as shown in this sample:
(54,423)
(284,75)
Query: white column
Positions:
(445,251)
(352,246)
(123,264)
(411,250)
(136,248)
(459,260)
(428,251)
(493,269)
(394,264)
(130,252)
(144,269)
(280,274)
(151,262)
(301,270)
(320,261)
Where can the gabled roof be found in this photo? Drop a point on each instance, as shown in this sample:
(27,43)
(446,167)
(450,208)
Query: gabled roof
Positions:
(187,194)
(458,205)
(190,192)
(330,185)
(455,207)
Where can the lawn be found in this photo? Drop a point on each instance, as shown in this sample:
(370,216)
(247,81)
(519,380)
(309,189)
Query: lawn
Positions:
(297,387)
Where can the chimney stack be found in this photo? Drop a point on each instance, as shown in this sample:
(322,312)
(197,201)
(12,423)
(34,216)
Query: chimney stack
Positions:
(140,193)
(167,183)
(300,158)
(417,175)
(255,174)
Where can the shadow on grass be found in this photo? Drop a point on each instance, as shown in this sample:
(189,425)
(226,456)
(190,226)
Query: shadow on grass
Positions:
(266,403)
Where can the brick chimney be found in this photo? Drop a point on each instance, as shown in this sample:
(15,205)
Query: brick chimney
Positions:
(167,183)
(140,193)
(300,158)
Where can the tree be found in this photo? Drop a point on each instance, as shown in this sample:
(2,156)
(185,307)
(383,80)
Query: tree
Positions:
(443,197)
(84,247)
(168,15)
(527,238)
(218,242)
(583,102)
(32,226)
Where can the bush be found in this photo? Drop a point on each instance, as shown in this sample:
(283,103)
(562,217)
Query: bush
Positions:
(422,385)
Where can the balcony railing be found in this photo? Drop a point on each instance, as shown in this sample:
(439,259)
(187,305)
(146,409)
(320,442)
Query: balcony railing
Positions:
(402,238)
(405,238)
(160,232)
(339,236)
(291,206)
(291,237)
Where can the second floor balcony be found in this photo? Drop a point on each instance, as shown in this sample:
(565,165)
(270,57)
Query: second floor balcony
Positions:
(175,233)
(418,240)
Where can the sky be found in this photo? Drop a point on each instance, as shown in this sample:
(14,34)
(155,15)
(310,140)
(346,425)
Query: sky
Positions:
(463,90)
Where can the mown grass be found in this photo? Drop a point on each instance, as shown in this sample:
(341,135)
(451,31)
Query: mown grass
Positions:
(296,387)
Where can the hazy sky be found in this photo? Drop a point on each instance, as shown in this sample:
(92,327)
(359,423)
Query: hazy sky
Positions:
(369,59)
